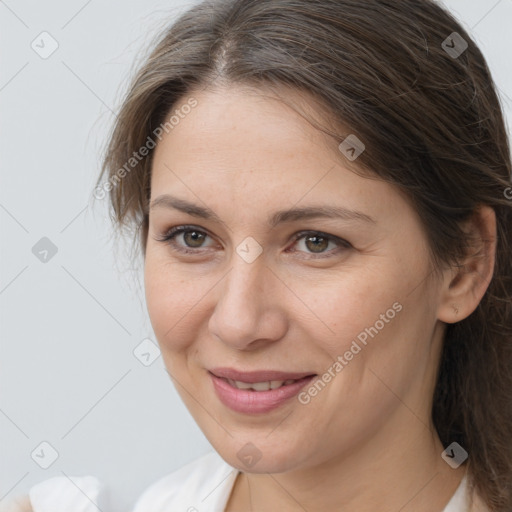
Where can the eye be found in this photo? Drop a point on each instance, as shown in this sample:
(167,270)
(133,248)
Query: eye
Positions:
(317,242)
(192,237)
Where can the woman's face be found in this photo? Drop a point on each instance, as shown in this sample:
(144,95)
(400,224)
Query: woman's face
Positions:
(345,295)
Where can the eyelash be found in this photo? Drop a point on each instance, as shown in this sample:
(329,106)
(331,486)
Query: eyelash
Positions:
(172,233)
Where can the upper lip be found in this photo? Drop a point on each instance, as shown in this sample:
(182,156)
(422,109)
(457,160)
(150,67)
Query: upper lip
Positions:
(259,375)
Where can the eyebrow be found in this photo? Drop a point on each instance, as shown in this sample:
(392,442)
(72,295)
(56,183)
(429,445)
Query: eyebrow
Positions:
(281,216)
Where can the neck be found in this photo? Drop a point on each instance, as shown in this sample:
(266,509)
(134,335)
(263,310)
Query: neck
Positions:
(388,473)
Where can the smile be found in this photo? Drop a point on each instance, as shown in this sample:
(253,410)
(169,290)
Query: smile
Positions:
(260,386)
(251,396)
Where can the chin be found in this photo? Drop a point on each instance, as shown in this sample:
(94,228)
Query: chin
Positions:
(259,457)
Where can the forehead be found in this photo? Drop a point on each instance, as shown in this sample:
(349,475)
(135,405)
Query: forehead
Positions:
(240,122)
(246,149)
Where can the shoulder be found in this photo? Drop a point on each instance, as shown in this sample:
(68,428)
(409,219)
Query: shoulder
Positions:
(19,504)
(477,504)
(60,494)
(206,481)
(466,498)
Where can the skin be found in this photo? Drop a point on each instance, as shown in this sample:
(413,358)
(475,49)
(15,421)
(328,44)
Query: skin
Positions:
(366,441)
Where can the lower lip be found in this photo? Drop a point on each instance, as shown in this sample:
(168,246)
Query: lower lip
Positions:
(248,401)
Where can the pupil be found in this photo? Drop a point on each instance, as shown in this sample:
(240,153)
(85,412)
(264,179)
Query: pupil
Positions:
(316,246)
(196,237)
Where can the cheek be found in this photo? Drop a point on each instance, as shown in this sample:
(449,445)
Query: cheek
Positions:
(375,318)
(346,304)
(173,303)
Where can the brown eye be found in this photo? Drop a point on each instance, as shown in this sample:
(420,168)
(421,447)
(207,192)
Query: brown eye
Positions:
(315,242)
(192,238)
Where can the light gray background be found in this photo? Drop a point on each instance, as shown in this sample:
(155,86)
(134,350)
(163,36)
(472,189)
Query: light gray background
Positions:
(69,326)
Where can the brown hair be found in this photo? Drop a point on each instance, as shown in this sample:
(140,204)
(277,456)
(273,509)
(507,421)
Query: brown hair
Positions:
(432,125)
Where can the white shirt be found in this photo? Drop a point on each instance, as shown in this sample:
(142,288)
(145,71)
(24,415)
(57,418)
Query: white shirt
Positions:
(203,485)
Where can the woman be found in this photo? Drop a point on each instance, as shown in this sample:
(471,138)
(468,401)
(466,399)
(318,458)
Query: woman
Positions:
(321,193)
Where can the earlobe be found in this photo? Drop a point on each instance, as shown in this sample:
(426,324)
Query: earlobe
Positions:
(465,285)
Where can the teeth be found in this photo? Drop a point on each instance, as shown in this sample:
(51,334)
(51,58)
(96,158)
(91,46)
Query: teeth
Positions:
(240,385)
(260,386)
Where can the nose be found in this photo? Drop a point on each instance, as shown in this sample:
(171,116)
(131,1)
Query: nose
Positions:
(249,312)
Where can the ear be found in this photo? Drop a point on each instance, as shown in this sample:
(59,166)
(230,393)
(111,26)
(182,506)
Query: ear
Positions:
(465,285)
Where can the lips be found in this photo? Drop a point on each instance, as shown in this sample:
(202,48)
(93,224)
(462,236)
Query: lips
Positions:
(259,375)
(226,382)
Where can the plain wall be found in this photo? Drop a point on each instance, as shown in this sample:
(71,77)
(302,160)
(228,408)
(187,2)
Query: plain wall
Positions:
(69,325)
